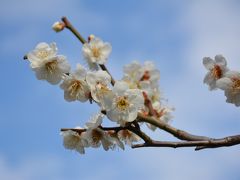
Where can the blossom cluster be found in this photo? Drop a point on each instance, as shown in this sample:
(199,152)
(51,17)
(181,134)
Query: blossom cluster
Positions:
(219,76)
(120,103)
(94,136)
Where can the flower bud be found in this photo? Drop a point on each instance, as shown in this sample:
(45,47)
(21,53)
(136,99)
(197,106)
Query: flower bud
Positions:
(58,26)
(90,37)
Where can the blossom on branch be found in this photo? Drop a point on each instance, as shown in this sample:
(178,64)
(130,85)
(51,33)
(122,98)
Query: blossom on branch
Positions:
(128,137)
(98,82)
(123,104)
(95,136)
(163,113)
(231,86)
(74,141)
(217,69)
(47,64)
(144,77)
(75,86)
(96,51)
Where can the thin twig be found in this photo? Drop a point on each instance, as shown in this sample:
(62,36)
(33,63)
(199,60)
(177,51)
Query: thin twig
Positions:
(69,26)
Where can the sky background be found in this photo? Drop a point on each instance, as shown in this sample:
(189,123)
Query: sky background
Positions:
(176,35)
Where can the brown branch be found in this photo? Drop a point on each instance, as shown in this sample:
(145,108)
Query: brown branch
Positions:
(103,128)
(199,145)
(148,104)
(129,127)
(140,133)
(69,26)
(180,134)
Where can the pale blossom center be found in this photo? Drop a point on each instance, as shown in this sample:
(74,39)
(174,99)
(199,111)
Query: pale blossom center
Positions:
(51,66)
(75,87)
(102,88)
(42,54)
(216,72)
(122,103)
(96,52)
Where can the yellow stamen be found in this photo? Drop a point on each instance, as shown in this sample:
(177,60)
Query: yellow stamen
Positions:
(75,87)
(42,54)
(122,103)
(96,52)
(51,66)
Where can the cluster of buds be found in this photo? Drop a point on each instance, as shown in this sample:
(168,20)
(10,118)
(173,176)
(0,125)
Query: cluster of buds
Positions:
(137,92)
(219,76)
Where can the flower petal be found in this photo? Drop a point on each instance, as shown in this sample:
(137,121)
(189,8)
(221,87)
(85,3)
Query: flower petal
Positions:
(208,63)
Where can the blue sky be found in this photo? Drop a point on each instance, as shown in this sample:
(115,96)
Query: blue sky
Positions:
(176,35)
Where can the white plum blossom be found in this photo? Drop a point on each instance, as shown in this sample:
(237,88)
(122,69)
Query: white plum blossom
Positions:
(231,86)
(128,137)
(73,140)
(122,104)
(134,74)
(98,82)
(95,136)
(151,74)
(163,113)
(47,64)
(217,69)
(75,86)
(96,51)
(144,77)
(116,142)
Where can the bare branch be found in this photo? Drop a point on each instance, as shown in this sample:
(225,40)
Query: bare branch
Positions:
(213,143)
(180,134)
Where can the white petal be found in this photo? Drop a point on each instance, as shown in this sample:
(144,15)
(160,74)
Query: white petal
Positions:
(42,45)
(120,87)
(113,115)
(95,121)
(132,115)
(63,64)
(224,83)
(220,60)
(135,97)
(106,50)
(210,81)
(232,74)
(208,63)
(80,72)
